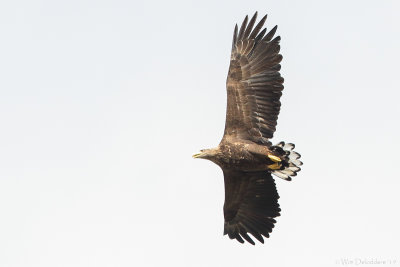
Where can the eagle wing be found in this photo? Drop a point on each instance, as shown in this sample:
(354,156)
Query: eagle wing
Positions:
(254,84)
(251,204)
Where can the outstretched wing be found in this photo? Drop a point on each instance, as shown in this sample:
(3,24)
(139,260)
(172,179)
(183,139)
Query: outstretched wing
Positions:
(251,204)
(254,84)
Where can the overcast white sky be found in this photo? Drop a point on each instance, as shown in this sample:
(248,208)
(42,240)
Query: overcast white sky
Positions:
(102,104)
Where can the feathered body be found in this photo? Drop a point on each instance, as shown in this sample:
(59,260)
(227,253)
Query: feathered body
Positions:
(236,154)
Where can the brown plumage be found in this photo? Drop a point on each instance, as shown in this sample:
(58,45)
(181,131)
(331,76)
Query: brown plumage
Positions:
(245,154)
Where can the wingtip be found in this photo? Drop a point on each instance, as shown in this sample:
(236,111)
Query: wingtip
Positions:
(255,15)
(246,19)
(265,17)
(270,34)
(247,237)
(258,237)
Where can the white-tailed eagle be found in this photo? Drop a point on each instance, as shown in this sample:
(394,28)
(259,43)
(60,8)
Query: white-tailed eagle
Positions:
(245,153)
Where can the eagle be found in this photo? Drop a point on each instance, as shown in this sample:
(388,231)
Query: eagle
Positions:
(245,154)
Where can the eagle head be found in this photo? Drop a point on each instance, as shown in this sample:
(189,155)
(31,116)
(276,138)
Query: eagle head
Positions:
(206,154)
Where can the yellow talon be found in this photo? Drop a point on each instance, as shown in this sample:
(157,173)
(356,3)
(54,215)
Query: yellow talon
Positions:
(274,158)
(275,166)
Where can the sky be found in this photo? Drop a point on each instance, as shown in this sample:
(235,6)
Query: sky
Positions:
(102,104)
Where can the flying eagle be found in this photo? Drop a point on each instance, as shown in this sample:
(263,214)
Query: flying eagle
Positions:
(245,153)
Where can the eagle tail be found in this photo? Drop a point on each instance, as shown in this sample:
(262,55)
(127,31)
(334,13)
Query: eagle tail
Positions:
(290,161)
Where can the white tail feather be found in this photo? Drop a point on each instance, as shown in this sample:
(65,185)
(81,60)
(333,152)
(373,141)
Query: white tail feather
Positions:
(291,161)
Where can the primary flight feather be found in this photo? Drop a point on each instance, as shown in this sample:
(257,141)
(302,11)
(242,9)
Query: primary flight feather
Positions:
(245,154)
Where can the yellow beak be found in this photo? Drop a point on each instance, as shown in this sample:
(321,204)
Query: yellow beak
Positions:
(197,155)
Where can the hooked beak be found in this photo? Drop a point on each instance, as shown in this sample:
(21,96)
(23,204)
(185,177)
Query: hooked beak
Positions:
(197,155)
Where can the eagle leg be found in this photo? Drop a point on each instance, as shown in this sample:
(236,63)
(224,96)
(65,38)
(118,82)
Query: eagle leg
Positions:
(274,158)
